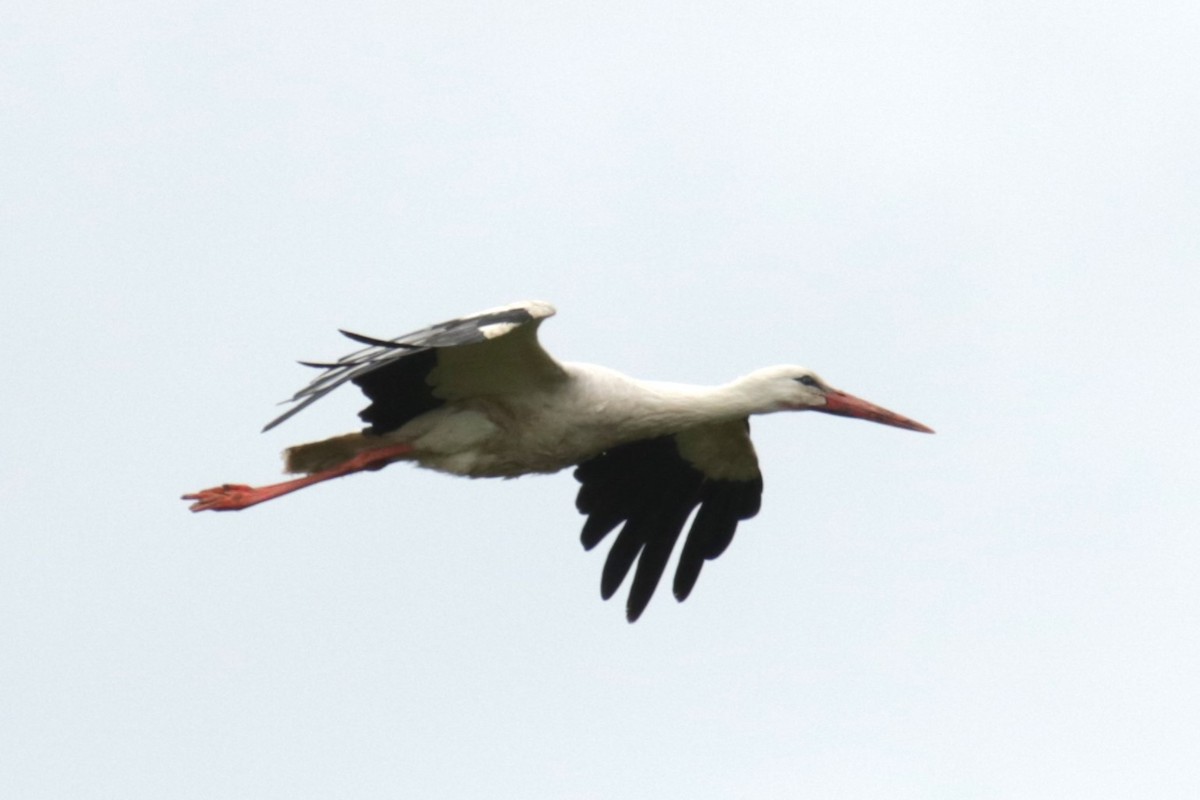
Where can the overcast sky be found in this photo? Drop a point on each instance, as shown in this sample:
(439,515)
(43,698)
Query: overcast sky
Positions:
(985,217)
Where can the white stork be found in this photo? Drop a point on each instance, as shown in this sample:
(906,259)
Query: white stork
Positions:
(478,396)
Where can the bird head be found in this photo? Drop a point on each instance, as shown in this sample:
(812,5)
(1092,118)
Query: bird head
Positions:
(791,388)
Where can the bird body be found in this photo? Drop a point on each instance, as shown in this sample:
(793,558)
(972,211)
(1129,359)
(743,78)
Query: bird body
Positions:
(588,410)
(479,397)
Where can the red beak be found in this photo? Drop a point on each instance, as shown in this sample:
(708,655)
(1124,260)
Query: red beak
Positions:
(847,405)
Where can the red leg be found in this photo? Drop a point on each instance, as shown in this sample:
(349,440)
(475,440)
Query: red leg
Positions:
(236,496)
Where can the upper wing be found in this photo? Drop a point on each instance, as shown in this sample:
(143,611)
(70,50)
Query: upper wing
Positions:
(652,486)
(490,352)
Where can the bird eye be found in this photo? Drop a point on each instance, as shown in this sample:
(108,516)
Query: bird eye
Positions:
(807,380)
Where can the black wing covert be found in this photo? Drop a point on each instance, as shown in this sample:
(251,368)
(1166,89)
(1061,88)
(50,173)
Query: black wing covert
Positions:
(652,488)
(393,373)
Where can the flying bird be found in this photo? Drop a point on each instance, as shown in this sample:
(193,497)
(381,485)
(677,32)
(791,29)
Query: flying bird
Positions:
(478,396)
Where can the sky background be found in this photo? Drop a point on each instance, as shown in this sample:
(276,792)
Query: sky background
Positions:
(985,217)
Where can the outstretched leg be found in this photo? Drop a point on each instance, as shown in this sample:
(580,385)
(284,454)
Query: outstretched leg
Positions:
(236,496)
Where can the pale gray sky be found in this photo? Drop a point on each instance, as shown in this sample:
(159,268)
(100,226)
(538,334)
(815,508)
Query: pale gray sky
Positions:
(984,217)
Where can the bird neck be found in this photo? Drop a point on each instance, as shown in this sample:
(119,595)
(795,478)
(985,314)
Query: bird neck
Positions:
(636,409)
(699,405)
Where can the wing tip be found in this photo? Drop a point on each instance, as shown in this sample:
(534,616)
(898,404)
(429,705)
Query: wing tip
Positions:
(371,341)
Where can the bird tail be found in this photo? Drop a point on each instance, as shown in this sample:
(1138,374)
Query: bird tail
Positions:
(325,454)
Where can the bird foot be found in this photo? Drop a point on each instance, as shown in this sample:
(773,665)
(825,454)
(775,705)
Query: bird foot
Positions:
(226,497)
(236,496)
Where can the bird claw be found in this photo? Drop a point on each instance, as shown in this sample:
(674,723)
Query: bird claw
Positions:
(226,497)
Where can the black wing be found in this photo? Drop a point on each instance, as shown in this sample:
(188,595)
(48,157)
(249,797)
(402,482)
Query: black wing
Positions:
(395,373)
(651,487)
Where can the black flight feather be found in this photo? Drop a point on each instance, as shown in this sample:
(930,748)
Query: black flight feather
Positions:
(381,353)
(372,341)
(653,489)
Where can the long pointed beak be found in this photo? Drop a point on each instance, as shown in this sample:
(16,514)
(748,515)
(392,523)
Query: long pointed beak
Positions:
(847,405)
